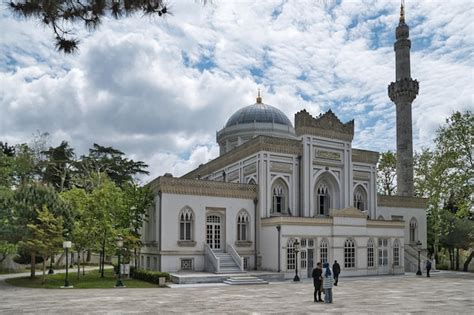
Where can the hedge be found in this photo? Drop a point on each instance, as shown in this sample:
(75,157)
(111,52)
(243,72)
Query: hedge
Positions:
(148,276)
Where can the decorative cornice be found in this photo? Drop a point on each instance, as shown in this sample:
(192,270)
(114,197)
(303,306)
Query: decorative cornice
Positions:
(181,186)
(283,220)
(365,156)
(326,125)
(257,144)
(350,212)
(401,202)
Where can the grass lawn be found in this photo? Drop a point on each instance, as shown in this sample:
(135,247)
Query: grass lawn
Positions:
(91,280)
(7,271)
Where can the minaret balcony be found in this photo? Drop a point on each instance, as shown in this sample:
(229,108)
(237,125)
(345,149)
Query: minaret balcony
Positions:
(404,90)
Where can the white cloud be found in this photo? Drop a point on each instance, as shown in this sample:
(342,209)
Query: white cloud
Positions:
(138,83)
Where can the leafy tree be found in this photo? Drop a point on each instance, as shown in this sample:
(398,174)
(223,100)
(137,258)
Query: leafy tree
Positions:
(109,161)
(59,165)
(444,175)
(44,236)
(79,202)
(137,200)
(6,249)
(62,15)
(6,149)
(21,208)
(386,173)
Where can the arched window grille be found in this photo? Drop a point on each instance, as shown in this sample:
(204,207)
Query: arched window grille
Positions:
(349,254)
(370,253)
(186,219)
(243,226)
(252,182)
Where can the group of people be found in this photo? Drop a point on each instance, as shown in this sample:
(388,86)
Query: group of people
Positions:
(323,279)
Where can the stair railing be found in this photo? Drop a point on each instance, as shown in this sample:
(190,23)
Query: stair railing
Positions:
(237,258)
(211,258)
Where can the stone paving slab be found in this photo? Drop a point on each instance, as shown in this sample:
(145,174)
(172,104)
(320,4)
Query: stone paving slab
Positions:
(443,293)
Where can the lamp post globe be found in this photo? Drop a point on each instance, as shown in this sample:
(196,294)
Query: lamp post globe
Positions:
(418,245)
(119,283)
(296,245)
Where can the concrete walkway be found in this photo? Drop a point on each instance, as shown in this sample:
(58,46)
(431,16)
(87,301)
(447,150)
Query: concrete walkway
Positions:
(443,293)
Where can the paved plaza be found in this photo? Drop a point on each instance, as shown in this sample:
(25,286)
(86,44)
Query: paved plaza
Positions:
(443,293)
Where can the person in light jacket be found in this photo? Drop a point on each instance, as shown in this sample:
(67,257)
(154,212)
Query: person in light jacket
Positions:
(328,281)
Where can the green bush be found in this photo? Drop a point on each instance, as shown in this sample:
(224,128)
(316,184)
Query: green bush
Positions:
(148,276)
(442,266)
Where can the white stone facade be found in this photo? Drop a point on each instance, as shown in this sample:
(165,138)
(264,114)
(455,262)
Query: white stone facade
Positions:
(267,192)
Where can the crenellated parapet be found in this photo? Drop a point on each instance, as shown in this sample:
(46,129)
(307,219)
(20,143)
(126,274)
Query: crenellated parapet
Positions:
(326,125)
(403,91)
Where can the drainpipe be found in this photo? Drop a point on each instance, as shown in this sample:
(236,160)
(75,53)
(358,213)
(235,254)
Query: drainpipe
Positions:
(160,216)
(300,193)
(279,247)
(255,202)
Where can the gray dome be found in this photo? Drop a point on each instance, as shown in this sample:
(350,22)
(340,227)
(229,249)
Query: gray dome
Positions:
(260,113)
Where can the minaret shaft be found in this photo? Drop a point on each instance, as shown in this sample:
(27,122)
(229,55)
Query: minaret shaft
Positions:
(402,92)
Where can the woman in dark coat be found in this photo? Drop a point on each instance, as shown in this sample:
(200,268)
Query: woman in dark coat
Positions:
(317,281)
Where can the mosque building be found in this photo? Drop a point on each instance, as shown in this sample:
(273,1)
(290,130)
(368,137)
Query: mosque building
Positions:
(283,196)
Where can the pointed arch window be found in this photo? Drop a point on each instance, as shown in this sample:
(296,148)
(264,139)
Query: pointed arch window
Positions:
(370,253)
(322,199)
(413,230)
(279,197)
(396,253)
(349,254)
(186,220)
(360,198)
(291,255)
(243,220)
(252,182)
(323,251)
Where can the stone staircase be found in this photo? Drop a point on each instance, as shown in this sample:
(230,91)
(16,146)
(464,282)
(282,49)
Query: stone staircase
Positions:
(227,263)
(241,280)
(411,258)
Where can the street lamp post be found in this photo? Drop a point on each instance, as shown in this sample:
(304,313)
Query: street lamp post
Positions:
(418,245)
(119,283)
(51,271)
(66,246)
(296,245)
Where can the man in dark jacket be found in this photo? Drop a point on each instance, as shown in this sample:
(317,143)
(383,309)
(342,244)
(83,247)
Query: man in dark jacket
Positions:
(336,269)
(317,281)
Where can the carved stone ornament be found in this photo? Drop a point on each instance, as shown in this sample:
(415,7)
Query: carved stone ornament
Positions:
(326,125)
(350,212)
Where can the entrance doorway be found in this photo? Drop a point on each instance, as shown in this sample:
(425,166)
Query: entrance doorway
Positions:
(310,262)
(213,231)
(383,255)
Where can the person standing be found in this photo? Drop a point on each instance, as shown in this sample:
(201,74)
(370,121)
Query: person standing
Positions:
(317,281)
(428,267)
(337,270)
(328,280)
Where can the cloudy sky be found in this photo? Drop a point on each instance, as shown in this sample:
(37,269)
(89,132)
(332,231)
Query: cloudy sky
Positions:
(159,89)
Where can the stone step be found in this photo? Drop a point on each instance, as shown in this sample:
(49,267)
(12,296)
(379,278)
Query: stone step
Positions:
(244,280)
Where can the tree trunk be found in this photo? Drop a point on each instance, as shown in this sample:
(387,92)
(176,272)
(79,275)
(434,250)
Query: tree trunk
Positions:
(451,258)
(103,257)
(457,258)
(84,263)
(78,264)
(33,265)
(44,271)
(468,261)
(88,256)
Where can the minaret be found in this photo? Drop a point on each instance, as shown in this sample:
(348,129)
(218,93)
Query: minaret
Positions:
(402,92)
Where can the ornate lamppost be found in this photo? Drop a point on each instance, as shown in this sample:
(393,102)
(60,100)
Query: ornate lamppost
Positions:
(119,283)
(418,245)
(66,246)
(296,249)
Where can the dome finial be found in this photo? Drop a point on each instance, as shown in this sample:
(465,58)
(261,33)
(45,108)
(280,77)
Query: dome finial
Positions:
(402,11)
(259,98)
